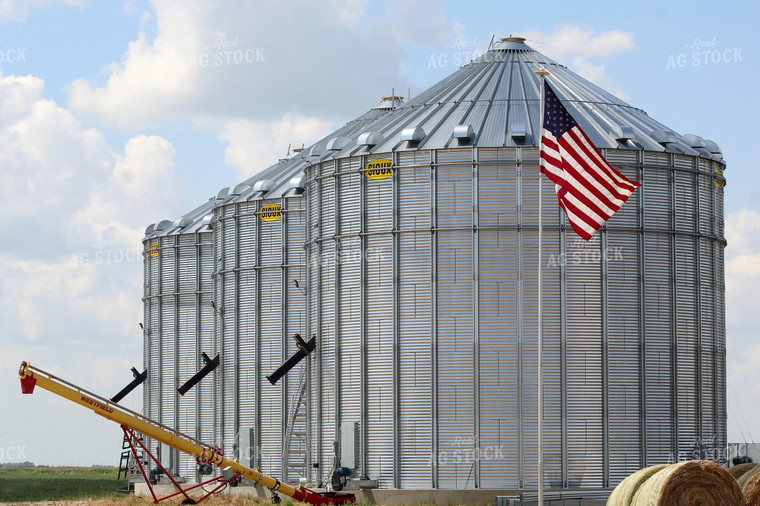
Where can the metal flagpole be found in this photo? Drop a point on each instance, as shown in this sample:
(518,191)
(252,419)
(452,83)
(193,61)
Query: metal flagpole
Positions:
(542,74)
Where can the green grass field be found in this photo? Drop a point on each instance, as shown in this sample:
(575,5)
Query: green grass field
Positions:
(97,486)
(22,484)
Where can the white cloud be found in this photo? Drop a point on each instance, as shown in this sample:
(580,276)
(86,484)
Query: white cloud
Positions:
(742,229)
(742,328)
(48,161)
(70,261)
(212,63)
(580,47)
(155,77)
(349,11)
(253,146)
(742,271)
(573,40)
(119,207)
(421,22)
(17,10)
(78,211)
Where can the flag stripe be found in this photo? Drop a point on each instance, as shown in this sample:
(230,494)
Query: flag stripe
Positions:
(588,188)
(580,182)
(619,178)
(584,192)
(580,177)
(580,225)
(579,150)
(607,175)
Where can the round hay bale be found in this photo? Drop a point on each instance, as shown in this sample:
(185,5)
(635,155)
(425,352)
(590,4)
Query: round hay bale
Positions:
(626,489)
(745,478)
(752,491)
(693,483)
(738,471)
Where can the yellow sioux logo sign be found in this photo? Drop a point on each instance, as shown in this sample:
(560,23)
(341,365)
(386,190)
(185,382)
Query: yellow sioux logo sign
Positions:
(378,169)
(270,212)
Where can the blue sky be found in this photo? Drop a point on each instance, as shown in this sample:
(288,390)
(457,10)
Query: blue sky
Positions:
(111,121)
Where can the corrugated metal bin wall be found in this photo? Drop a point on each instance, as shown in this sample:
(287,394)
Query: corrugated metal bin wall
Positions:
(423,294)
(259,309)
(178,321)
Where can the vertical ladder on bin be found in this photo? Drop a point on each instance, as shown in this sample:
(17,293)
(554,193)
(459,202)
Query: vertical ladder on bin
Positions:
(135,458)
(294,448)
(128,462)
(124,459)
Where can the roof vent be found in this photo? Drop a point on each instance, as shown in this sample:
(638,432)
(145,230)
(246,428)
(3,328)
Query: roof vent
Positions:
(163,225)
(622,133)
(464,132)
(239,189)
(664,136)
(149,230)
(317,149)
(370,139)
(223,193)
(182,222)
(338,143)
(390,102)
(415,134)
(206,221)
(519,131)
(694,141)
(512,43)
(298,182)
(713,147)
(263,186)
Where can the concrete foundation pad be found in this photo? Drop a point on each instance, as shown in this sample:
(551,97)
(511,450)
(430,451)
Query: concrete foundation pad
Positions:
(432,496)
(142,490)
(400,496)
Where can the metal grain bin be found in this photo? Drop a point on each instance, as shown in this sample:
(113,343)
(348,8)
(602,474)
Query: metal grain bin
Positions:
(260,301)
(422,290)
(241,271)
(259,253)
(178,324)
(419,226)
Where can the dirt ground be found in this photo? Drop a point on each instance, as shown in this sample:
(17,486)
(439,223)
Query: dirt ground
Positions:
(130,500)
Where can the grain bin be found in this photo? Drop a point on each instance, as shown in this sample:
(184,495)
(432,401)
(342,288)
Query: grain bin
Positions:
(258,239)
(422,290)
(419,229)
(260,303)
(178,321)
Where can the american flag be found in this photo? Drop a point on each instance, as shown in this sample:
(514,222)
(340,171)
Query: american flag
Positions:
(588,188)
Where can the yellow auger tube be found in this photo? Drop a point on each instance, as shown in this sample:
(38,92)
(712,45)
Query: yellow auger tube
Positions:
(31,376)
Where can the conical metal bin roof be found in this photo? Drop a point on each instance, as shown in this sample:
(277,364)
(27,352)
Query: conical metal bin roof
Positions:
(496,97)
(284,171)
(493,101)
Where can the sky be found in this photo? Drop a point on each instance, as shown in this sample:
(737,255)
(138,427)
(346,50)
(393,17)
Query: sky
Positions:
(115,115)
